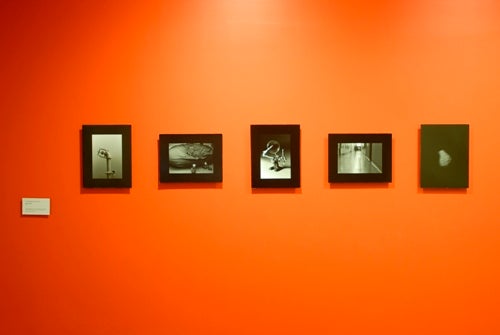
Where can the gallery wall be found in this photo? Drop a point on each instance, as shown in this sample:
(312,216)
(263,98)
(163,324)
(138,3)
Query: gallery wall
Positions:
(222,258)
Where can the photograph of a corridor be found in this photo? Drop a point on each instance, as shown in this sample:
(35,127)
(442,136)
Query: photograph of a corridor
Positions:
(359,158)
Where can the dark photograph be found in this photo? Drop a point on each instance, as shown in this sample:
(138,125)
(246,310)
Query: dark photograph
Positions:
(106,155)
(275,155)
(444,156)
(359,157)
(190,157)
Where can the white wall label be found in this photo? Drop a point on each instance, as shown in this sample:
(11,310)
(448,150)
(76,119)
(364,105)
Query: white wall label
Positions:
(35,206)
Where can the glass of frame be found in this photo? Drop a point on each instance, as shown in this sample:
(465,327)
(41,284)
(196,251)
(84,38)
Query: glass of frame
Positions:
(275,155)
(361,158)
(106,156)
(190,158)
(444,156)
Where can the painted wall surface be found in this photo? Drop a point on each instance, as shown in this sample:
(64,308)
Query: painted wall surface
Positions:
(223,258)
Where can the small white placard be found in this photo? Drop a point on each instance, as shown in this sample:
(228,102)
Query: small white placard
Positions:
(36,206)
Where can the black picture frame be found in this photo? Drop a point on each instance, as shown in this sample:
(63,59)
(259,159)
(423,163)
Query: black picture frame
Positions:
(190,158)
(275,156)
(106,156)
(444,156)
(359,158)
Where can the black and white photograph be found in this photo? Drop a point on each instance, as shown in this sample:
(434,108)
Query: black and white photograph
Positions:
(360,157)
(444,156)
(276,158)
(106,155)
(190,157)
(275,155)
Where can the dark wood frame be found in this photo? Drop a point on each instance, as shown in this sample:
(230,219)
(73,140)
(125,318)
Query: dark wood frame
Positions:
(88,155)
(262,134)
(215,161)
(333,151)
(453,141)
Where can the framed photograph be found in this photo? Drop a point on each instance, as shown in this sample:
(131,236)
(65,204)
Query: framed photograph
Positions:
(190,158)
(359,158)
(444,156)
(106,156)
(275,155)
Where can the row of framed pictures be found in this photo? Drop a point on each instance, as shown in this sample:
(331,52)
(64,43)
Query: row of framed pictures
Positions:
(275,150)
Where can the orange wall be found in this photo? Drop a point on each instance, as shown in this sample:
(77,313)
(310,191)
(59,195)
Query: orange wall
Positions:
(203,259)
